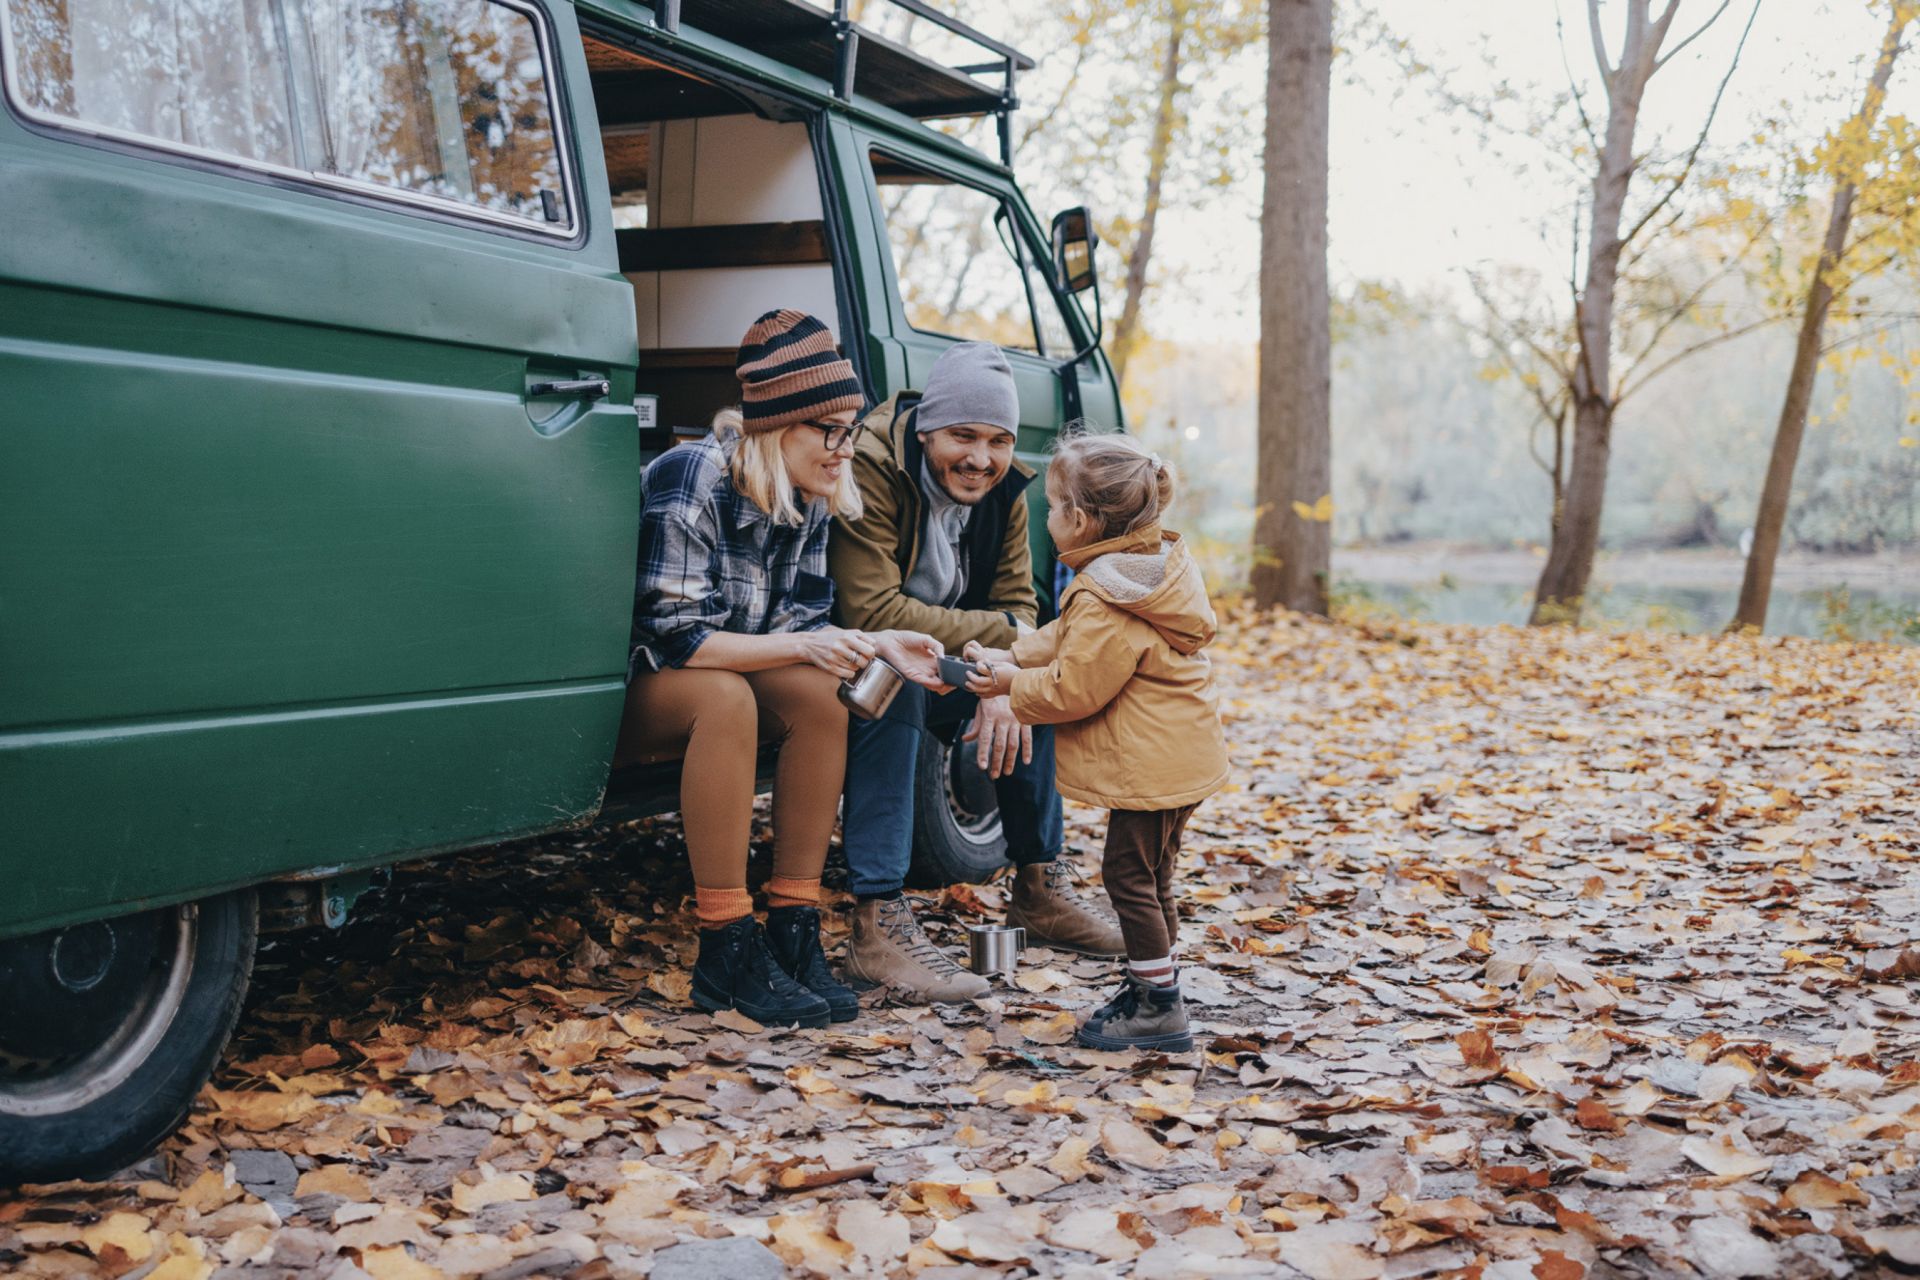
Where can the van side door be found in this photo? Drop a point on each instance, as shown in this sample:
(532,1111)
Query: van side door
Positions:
(319,477)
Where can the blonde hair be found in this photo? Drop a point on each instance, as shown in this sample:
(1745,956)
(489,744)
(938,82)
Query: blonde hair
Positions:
(758,469)
(1113,479)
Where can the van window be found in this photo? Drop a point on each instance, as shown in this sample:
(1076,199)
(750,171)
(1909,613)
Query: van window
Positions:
(962,269)
(438,98)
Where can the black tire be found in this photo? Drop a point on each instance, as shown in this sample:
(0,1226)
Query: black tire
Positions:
(90,1109)
(956,816)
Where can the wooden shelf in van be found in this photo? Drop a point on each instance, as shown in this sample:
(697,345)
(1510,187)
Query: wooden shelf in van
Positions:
(753,244)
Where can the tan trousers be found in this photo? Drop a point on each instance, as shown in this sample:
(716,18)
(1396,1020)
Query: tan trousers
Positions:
(717,720)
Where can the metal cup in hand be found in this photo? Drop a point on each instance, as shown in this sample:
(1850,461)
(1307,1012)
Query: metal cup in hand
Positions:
(993,948)
(871,692)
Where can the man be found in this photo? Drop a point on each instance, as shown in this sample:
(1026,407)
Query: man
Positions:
(941,547)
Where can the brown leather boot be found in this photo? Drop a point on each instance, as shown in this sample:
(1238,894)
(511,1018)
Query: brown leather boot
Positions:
(1049,907)
(890,949)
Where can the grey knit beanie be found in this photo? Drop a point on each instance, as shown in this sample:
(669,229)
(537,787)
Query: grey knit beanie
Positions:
(970,382)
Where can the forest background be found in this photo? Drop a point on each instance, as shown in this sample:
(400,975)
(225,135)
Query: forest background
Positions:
(1460,168)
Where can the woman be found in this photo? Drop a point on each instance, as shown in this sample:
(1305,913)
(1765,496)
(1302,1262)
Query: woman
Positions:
(733,646)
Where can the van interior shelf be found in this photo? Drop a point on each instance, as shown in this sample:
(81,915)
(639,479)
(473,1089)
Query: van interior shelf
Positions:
(826,43)
(756,244)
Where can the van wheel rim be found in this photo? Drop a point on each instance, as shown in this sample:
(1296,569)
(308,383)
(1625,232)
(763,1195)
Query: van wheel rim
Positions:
(971,800)
(32,1085)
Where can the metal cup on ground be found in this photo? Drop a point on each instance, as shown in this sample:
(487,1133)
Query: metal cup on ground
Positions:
(993,948)
(870,693)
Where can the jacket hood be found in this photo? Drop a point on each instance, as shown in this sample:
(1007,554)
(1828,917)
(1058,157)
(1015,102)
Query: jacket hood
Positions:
(1150,574)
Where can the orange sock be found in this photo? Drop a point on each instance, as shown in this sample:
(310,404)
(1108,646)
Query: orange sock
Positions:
(785,891)
(717,908)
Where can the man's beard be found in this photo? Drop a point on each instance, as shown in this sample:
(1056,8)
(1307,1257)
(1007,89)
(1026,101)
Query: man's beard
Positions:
(986,479)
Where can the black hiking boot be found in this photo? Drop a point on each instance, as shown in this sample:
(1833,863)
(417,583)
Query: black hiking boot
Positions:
(1140,1016)
(793,935)
(736,970)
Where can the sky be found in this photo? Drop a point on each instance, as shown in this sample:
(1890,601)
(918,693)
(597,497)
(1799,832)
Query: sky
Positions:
(1413,198)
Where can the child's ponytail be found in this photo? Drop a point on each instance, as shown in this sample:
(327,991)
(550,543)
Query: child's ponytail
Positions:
(1114,479)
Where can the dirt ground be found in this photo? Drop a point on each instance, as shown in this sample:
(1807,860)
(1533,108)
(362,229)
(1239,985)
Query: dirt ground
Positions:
(1513,954)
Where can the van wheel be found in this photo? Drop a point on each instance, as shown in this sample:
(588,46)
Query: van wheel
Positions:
(956,830)
(108,1029)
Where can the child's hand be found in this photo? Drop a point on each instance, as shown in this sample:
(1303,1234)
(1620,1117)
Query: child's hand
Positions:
(977,652)
(993,682)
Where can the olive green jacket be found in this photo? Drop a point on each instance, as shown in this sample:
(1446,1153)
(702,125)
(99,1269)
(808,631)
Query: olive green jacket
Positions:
(871,558)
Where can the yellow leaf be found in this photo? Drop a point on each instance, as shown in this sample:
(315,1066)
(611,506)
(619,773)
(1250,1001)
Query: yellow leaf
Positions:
(492,1190)
(1319,513)
(126,1232)
(337,1180)
(1909,442)
(186,1261)
(397,1264)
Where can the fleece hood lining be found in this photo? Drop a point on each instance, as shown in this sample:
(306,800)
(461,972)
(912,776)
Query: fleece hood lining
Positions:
(1127,577)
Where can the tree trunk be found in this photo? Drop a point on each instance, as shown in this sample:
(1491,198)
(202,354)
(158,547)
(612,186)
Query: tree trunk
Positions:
(1159,150)
(1756,587)
(1576,527)
(1291,550)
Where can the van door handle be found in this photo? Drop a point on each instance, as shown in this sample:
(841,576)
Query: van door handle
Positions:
(578,388)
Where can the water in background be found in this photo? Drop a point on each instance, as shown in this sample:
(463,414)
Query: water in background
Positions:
(1835,613)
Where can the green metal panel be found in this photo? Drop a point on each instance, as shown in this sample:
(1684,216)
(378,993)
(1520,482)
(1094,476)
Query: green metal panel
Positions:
(293,574)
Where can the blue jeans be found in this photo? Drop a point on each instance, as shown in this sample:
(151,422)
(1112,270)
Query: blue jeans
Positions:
(877,821)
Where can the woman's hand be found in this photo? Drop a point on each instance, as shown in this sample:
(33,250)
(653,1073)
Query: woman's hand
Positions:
(995,681)
(837,651)
(913,654)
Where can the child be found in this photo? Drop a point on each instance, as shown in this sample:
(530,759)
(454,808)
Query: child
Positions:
(1121,672)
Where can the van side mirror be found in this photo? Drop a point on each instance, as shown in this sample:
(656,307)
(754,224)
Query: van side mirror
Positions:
(1073,241)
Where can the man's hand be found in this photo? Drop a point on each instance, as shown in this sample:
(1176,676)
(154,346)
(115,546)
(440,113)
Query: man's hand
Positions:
(913,654)
(1004,741)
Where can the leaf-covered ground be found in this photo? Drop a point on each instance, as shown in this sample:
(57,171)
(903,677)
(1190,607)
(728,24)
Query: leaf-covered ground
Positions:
(1515,954)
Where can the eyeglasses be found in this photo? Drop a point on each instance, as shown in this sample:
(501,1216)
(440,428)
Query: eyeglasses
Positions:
(838,436)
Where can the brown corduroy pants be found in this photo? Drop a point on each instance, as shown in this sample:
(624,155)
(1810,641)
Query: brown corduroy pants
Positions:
(717,721)
(1143,852)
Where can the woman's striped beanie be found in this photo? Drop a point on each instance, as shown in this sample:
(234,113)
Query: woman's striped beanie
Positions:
(790,372)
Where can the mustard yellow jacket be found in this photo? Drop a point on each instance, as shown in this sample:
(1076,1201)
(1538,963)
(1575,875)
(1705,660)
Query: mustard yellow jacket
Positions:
(1121,673)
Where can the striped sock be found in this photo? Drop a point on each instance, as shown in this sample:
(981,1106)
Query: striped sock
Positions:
(1159,973)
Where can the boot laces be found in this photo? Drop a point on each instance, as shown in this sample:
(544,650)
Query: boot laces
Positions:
(1061,881)
(1124,1003)
(904,928)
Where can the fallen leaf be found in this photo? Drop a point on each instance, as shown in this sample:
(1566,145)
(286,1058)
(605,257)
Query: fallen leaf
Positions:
(1128,1143)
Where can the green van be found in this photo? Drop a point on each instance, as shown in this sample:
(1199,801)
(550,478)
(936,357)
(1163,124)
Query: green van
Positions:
(333,337)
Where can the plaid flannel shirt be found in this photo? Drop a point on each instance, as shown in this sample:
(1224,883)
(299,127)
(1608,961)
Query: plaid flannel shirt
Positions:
(710,560)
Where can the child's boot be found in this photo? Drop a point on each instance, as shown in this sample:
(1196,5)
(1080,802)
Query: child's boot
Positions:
(1141,1015)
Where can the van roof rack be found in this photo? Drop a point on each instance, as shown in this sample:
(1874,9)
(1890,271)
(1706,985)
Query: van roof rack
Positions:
(856,60)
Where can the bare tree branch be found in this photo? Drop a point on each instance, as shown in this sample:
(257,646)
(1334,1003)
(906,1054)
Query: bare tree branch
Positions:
(1697,33)
(1693,155)
(1726,335)
(1599,46)
(1573,86)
